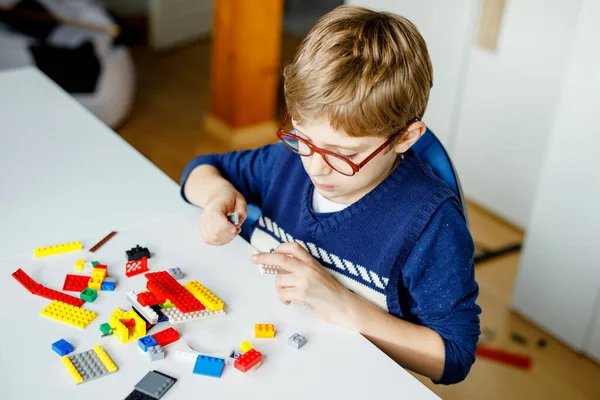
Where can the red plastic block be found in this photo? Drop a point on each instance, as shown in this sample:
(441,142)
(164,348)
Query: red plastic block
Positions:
(52,294)
(514,359)
(75,283)
(168,287)
(128,323)
(136,267)
(166,337)
(158,291)
(26,281)
(103,266)
(148,299)
(248,360)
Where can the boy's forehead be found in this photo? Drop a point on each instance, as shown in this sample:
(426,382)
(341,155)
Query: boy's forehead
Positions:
(322,134)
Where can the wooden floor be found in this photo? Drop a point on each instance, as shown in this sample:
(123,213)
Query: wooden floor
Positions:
(166,126)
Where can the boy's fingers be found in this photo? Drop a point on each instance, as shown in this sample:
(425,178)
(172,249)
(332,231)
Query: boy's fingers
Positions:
(288,295)
(295,250)
(285,280)
(222,224)
(281,260)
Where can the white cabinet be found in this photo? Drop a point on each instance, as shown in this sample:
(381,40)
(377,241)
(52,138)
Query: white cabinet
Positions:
(558,282)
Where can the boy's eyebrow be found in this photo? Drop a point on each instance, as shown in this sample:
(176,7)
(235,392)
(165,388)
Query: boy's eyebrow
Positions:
(352,148)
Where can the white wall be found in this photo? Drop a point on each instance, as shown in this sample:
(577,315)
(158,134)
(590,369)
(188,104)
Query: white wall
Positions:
(558,283)
(510,101)
(448,28)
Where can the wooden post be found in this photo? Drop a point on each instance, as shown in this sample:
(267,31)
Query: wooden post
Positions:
(245,69)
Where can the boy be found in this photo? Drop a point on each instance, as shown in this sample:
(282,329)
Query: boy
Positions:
(378,244)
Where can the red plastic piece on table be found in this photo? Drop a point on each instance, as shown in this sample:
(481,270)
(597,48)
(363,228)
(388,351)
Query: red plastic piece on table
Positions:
(103,266)
(75,283)
(158,291)
(167,286)
(166,337)
(26,281)
(514,359)
(52,294)
(148,299)
(136,267)
(248,360)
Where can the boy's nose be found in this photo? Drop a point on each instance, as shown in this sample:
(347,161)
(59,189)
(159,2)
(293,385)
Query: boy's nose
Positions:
(318,166)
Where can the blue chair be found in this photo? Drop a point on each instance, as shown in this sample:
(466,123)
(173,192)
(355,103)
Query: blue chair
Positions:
(429,149)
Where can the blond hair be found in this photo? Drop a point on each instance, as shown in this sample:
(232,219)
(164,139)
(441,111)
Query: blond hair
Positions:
(368,72)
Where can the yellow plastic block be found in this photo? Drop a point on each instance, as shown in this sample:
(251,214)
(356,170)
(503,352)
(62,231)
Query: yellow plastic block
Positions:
(68,314)
(95,283)
(204,296)
(103,356)
(245,346)
(264,331)
(80,265)
(99,273)
(167,304)
(72,369)
(123,333)
(58,249)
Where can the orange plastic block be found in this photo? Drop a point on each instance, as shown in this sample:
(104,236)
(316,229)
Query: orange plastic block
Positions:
(264,331)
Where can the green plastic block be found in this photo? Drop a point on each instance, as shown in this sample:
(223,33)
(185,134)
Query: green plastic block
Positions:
(106,329)
(94,263)
(88,295)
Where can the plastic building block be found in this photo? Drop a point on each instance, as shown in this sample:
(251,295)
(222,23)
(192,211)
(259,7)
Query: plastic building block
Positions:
(145,342)
(99,273)
(210,366)
(26,281)
(52,294)
(175,273)
(264,331)
(101,266)
(148,299)
(137,395)
(245,347)
(123,333)
(62,347)
(248,360)
(166,337)
(204,295)
(512,359)
(94,263)
(148,313)
(297,341)
(155,384)
(89,364)
(166,304)
(177,317)
(75,283)
(101,243)
(108,284)
(80,265)
(68,314)
(161,317)
(106,329)
(156,353)
(130,323)
(57,249)
(269,269)
(162,284)
(136,267)
(234,355)
(234,218)
(88,295)
(137,253)
(95,283)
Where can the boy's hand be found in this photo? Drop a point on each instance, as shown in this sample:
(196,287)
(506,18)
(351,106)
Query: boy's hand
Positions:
(308,283)
(214,225)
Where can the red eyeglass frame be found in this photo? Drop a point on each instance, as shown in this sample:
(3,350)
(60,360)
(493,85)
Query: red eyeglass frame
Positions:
(314,149)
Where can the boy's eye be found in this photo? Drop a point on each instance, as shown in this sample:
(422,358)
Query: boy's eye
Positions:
(350,156)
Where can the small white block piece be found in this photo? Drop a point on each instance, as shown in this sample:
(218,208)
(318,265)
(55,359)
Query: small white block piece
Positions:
(269,269)
(175,273)
(177,317)
(148,313)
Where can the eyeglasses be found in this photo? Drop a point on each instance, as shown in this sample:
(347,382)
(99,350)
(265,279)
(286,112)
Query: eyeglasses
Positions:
(336,161)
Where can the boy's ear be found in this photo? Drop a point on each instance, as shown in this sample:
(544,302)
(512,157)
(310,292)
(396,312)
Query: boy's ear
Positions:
(412,134)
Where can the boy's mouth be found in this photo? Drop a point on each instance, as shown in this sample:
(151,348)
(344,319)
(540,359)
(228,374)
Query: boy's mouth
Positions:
(323,187)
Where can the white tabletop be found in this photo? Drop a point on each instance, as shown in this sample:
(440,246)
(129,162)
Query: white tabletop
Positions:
(65,176)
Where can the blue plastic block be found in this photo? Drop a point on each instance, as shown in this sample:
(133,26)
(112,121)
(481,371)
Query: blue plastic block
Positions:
(145,342)
(209,366)
(161,317)
(62,347)
(108,284)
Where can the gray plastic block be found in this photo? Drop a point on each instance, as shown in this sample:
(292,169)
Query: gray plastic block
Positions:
(156,353)
(88,365)
(297,341)
(176,273)
(234,218)
(155,384)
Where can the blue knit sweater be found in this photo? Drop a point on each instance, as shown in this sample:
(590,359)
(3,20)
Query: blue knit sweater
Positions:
(404,246)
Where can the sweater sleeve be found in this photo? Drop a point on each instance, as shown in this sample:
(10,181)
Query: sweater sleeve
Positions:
(249,171)
(440,277)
